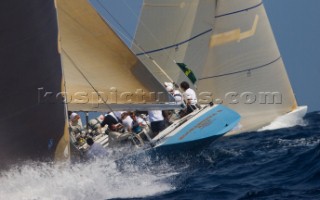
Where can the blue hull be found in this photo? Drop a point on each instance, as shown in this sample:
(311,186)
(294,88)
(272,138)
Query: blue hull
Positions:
(201,130)
(191,146)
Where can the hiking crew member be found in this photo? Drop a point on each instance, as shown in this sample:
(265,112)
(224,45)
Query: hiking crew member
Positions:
(190,97)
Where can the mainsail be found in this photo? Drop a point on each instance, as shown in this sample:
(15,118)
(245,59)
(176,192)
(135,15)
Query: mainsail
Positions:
(244,65)
(100,71)
(229,46)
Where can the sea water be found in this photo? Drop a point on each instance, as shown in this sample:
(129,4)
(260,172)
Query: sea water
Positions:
(282,163)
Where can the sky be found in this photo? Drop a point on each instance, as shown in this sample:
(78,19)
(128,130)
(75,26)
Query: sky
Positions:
(123,22)
(296,28)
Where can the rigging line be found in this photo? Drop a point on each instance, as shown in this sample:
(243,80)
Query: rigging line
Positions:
(167,54)
(136,44)
(79,24)
(114,19)
(146,28)
(126,34)
(78,69)
(175,45)
(239,11)
(241,71)
(136,15)
(84,76)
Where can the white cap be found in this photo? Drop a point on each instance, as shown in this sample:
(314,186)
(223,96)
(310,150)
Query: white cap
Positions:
(73,116)
(168,84)
(169,88)
(101,118)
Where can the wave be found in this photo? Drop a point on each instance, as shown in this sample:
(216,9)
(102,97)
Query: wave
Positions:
(99,179)
(291,119)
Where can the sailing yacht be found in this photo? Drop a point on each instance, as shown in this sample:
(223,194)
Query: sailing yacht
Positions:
(102,74)
(76,62)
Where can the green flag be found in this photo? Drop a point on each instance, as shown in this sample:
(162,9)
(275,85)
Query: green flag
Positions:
(187,72)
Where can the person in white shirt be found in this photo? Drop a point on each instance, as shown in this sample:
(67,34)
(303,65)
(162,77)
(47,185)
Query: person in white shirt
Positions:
(175,93)
(117,115)
(190,97)
(127,122)
(156,121)
(76,129)
(138,123)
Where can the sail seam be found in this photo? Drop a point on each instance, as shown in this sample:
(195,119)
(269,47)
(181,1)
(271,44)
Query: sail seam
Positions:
(239,11)
(241,71)
(175,45)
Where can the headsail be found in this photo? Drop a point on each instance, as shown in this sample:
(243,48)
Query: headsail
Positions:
(230,47)
(99,68)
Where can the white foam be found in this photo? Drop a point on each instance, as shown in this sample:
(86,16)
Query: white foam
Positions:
(100,179)
(291,119)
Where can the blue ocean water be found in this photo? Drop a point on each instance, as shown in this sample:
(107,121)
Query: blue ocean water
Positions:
(274,164)
(277,164)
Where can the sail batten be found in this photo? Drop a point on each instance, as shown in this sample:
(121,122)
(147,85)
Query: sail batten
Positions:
(248,70)
(176,44)
(223,13)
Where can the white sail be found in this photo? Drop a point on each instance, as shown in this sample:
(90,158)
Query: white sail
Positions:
(230,47)
(161,43)
(99,69)
(164,32)
(244,66)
